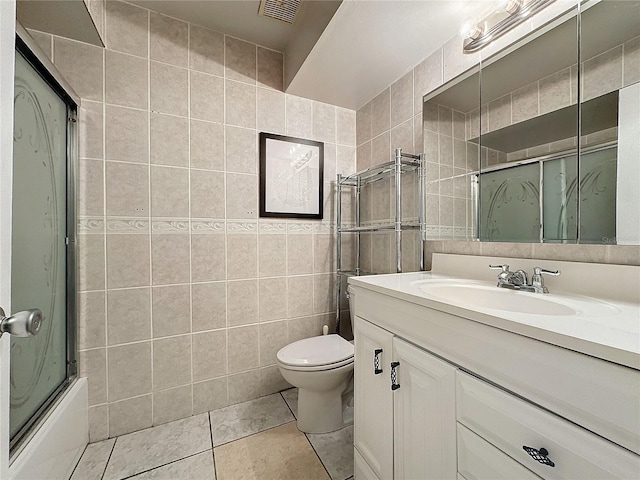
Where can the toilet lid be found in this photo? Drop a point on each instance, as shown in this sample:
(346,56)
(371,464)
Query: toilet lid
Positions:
(316,351)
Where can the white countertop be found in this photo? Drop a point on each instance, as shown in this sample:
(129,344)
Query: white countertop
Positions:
(611,333)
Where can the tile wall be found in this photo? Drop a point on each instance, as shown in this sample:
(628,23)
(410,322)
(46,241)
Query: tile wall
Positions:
(382,124)
(391,120)
(607,72)
(96,9)
(450,159)
(185,294)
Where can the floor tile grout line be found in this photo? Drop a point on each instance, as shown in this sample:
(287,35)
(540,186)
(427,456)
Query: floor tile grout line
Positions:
(255,433)
(215,446)
(287,404)
(113,447)
(213,453)
(305,435)
(79,460)
(164,465)
(317,455)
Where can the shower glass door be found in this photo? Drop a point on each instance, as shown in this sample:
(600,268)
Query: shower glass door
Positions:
(40,258)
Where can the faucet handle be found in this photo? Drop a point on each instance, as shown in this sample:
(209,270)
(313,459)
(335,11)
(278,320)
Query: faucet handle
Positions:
(540,270)
(537,281)
(504,268)
(504,275)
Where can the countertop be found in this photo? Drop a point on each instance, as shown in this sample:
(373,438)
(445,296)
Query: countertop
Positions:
(611,333)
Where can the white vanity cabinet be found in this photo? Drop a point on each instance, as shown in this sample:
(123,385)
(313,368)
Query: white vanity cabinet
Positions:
(373,398)
(404,423)
(473,395)
(510,424)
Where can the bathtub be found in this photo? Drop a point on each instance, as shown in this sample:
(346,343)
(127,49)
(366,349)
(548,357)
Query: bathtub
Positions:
(58,443)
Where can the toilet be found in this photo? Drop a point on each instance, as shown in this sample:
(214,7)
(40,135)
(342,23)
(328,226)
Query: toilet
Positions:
(322,369)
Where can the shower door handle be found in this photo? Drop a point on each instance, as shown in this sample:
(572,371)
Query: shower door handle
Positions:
(26,323)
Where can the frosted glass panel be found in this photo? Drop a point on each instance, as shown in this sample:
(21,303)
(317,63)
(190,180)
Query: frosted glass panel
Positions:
(510,204)
(598,196)
(38,364)
(559,200)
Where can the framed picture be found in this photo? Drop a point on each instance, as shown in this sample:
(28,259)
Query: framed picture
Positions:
(290,177)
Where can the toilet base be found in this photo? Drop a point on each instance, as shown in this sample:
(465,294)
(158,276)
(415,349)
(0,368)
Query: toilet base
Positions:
(321,412)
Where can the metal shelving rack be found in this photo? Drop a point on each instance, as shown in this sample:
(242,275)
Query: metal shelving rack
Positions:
(402,163)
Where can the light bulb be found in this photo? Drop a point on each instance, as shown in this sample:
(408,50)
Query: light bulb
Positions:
(474,32)
(466,28)
(509,7)
(513,6)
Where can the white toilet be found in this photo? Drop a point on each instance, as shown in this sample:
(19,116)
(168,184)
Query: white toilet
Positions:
(322,369)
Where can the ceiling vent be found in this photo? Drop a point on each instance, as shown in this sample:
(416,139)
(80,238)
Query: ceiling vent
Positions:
(283,10)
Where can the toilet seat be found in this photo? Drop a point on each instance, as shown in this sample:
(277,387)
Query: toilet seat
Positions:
(324,352)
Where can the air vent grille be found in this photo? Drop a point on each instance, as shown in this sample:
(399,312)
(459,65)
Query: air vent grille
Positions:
(283,10)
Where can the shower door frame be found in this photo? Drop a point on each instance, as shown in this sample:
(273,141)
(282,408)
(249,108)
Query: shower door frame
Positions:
(26,46)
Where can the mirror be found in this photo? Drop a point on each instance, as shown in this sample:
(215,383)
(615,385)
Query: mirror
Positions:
(610,137)
(538,166)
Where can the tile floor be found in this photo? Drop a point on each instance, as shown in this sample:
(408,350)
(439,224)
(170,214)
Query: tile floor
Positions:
(252,440)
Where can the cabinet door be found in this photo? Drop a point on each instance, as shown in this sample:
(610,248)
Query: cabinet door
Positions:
(373,402)
(361,470)
(424,415)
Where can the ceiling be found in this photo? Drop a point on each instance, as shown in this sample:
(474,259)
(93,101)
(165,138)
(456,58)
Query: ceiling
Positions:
(339,52)
(239,18)
(67,19)
(342,52)
(370,44)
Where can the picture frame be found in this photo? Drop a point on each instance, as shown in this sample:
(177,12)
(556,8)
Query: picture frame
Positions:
(291,177)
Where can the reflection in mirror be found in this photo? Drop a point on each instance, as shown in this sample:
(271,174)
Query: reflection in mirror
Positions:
(610,122)
(529,119)
(522,181)
(452,160)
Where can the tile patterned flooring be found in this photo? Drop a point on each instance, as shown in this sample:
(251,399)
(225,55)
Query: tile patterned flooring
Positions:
(251,440)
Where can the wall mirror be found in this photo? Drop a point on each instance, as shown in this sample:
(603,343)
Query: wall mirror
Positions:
(515,157)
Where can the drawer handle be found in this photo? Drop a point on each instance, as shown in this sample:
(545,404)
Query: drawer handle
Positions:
(376,361)
(539,455)
(394,376)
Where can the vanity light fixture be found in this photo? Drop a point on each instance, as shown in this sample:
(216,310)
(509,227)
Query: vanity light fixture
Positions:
(505,16)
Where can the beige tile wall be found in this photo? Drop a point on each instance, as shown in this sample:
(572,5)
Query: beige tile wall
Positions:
(96,9)
(391,120)
(602,74)
(617,254)
(450,160)
(185,294)
(377,135)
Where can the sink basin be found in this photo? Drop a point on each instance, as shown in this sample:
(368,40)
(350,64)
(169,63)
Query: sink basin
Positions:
(476,294)
(497,299)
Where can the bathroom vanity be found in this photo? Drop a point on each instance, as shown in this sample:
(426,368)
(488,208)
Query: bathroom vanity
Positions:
(457,378)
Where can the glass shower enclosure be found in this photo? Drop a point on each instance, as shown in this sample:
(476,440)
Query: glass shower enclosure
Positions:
(43,240)
(537,200)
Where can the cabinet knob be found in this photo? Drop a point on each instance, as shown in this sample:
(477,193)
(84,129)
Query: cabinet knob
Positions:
(539,456)
(376,361)
(394,376)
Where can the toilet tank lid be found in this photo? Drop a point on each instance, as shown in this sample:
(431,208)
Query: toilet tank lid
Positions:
(315,351)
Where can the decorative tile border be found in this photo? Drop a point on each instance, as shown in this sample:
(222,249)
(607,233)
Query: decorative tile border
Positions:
(207,226)
(242,227)
(272,227)
(170,226)
(432,232)
(324,228)
(460,232)
(447,232)
(90,225)
(127,225)
(299,227)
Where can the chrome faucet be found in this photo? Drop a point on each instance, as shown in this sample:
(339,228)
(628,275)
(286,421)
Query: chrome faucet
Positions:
(537,281)
(518,280)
